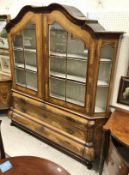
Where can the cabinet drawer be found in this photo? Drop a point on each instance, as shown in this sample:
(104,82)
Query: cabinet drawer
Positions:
(66,123)
(49,134)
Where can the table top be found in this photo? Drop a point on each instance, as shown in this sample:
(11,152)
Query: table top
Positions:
(118,125)
(30,165)
(4,78)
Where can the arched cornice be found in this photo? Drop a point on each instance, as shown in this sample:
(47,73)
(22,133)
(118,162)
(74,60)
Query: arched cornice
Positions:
(70,12)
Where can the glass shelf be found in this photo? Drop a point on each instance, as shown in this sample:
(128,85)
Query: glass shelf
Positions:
(19,65)
(58,74)
(57,96)
(57,54)
(99,109)
(74,56)
(105,60)
(102,83)
(69,77)
(31,68)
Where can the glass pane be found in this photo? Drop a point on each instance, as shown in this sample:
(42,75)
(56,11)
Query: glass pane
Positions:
(101,98)
(75,93)
(30,60)
(76,69)
(58,39)
(18,41)
(105,64)
(106,52)
(19,58)
(104,72)
(76,48)
(57,88)
(58,66)
(31,80)
(29,39)
(20,77)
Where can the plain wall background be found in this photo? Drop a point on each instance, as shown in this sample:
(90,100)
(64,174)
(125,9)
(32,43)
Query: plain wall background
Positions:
(110,13)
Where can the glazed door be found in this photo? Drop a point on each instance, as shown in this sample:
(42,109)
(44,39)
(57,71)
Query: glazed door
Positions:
(67,62)
(25,51)
(105,71)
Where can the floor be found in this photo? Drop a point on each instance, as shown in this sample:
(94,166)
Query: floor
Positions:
(18,142)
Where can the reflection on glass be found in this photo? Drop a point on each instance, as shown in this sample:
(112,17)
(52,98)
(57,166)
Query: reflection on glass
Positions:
(67,66)
(75,93)
(18,41)
(57,88)
(31,80)
(20,77)
(19,58)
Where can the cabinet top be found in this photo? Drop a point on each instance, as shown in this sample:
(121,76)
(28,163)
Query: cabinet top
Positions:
(72,13)
(118,125)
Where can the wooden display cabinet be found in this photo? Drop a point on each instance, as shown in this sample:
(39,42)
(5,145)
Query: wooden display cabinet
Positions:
(62,66)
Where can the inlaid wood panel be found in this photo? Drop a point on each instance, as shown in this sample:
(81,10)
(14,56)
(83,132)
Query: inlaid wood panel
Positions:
(62,122)
(49,134)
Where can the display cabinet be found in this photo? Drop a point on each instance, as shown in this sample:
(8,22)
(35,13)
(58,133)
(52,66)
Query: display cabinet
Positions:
(62,66)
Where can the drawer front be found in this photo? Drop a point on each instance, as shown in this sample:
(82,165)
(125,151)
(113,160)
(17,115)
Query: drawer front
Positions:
(70,125)
(49,134)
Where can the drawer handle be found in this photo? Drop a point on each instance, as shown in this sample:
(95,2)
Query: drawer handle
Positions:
(4,96)
(70,131)
(45,116)
(70,119)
